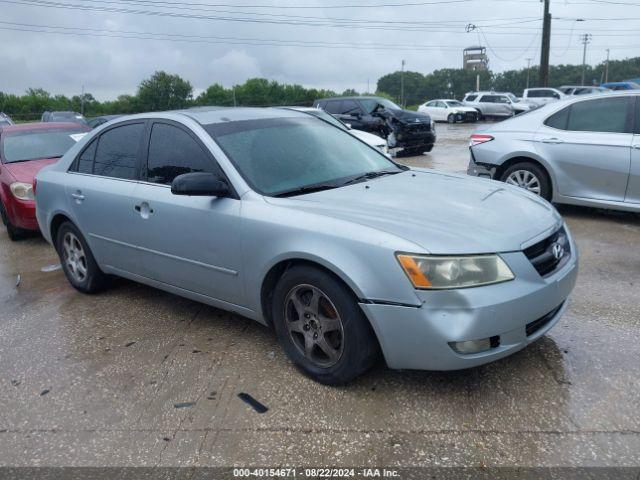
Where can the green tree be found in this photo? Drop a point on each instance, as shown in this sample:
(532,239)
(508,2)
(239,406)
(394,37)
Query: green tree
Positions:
(164,92)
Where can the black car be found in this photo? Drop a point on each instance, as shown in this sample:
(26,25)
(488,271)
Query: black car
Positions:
(73,117)
(409,131)
(97,121)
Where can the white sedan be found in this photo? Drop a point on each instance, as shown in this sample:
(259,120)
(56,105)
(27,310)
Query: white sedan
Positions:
(451,111)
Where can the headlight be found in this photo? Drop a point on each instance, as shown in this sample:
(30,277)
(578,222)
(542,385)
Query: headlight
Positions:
(22,191)
(439,272)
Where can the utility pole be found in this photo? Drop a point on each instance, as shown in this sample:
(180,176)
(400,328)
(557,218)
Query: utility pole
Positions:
(546,45)
(528,69)
(402,85)
(82,101)
(606,68)
(586,38)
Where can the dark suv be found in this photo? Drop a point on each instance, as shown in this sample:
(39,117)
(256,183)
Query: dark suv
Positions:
(410,132)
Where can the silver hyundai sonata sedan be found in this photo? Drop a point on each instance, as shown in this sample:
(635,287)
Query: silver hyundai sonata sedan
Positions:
(582,151)
(286,219)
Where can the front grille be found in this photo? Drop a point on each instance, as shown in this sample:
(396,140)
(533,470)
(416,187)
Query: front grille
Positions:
(470,116)
(550,254)
(536,325)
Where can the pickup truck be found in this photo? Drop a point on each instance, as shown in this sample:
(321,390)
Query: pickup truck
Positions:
(542,96)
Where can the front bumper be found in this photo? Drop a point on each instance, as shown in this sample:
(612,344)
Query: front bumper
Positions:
(415,140)
(22,214)
(418,338)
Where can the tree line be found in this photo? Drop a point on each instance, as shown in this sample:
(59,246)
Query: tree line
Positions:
(164,91)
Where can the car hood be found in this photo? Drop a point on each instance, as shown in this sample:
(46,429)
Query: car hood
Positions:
(26,171)
(407,116)
(463,109)
(442,213)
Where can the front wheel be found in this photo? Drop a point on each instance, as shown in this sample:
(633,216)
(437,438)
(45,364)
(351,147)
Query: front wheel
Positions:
(321,327)
(529,176)
(451,118)
(77,261)
(14,232)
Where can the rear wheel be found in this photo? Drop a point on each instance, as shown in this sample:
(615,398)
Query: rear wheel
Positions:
(321,327)
(77,261)
(451,118)
(529,176)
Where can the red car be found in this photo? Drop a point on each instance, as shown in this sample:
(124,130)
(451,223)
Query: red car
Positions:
(24,150)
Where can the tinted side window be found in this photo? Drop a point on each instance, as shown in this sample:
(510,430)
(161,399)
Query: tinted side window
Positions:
(471,98)
(172,152)
(349,106)
(488,99)
(559,119)
(637,126)
(333,107)
(602,115)
(85,161)
(117,152)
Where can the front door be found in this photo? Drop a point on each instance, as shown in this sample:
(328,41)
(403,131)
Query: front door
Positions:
(190,242)
(590,148)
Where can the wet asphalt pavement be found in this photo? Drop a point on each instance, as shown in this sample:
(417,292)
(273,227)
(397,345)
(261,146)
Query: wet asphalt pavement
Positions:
(138,377)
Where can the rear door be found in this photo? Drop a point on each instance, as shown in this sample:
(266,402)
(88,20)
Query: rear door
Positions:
(589,146)
(633,187)
(190,242)
(100,193)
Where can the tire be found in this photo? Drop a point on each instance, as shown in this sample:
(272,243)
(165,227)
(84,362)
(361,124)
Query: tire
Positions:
(523,173)
(14,232)
(480,116)
(451,118)
(336,324)
(82,271)
(411,152)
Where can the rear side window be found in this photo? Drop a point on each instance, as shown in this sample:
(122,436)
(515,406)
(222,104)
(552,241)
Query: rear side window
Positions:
(85,161)
(117,152)
(333,107)
(601,115)
(559,119)
(173,152)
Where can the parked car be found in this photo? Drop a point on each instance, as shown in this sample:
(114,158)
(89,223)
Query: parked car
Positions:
(542,96)
(256,211)
(581,90)
(581,151)
(621,86)
(409,132)
(74,117)
(369,138)
(24,150)
(447,110)
(519,105)
(97,121)
(490,104)
(5,119)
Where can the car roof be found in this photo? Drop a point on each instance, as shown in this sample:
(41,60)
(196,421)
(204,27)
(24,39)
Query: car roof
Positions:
(21,127)
(209,115)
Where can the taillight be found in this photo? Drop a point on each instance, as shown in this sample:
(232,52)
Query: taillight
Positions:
(35,183)
(477,139)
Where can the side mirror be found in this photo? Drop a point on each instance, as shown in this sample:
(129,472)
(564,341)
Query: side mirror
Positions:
(200,184)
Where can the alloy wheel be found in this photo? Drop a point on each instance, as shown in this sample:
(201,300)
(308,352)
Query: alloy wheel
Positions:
(314,325)
(74,257)
(525,179)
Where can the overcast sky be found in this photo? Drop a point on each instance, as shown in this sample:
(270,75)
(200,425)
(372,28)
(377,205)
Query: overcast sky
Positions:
(107,65)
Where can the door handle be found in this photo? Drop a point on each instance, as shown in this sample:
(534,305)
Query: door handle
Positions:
(553,141)
(637,146)
(78,196)
(144,209)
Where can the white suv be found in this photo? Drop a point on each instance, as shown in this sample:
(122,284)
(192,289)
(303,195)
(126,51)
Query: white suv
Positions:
(542,96)
(490,104)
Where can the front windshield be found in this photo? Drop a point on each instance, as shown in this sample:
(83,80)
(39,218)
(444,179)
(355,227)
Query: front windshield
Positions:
(327,117)
(33,145)
(280,155)
(454,103)
(513,98)
(372,104)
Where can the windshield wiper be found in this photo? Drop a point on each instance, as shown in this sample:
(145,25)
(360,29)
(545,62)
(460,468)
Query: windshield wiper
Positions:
(308,189)
(371,175)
